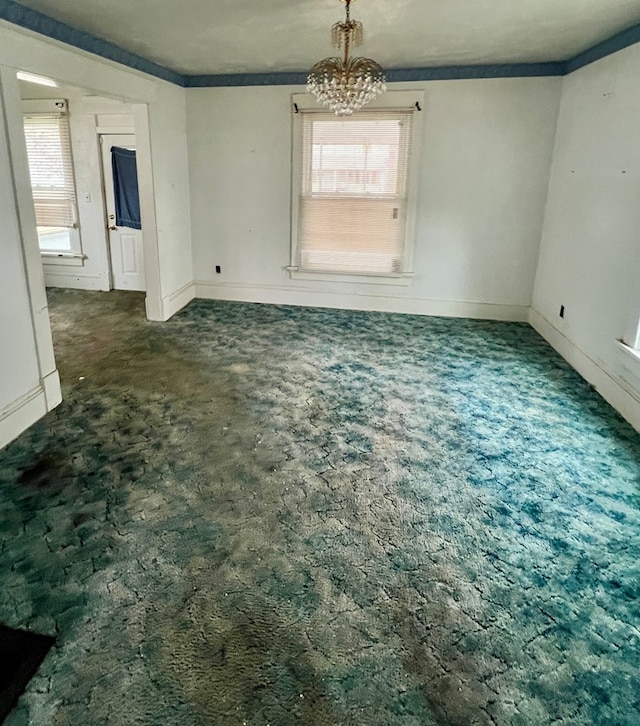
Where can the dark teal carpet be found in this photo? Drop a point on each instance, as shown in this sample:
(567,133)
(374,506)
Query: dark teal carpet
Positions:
(268,515)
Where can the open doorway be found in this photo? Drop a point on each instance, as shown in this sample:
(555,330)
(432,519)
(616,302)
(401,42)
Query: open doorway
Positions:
(81,151)
(156,115)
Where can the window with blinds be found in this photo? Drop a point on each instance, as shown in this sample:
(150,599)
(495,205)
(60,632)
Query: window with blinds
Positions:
(353,195)
(52,183)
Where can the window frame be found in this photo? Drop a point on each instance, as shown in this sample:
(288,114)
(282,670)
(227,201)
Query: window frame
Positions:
(74,255)
(400,101)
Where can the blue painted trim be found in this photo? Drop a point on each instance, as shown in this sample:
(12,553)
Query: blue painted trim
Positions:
(449,73)
(25,17)
(38,22)
(246,79)
(622,40)
(436,73)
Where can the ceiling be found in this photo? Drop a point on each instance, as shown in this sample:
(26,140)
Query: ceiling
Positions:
(258,36)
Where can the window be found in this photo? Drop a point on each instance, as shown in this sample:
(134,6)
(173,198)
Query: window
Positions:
(352,192)
(52,184)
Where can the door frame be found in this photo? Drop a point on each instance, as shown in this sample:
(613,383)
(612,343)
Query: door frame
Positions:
(146,188)
(153,299)
(103,136)
(10,99)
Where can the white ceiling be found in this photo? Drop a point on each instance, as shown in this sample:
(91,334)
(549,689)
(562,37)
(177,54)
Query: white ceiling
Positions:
(227,36)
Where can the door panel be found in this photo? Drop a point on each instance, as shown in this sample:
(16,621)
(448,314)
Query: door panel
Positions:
(128,252)
(125,244)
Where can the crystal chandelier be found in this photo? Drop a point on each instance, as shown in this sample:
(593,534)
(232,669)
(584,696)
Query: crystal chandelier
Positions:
(346,84)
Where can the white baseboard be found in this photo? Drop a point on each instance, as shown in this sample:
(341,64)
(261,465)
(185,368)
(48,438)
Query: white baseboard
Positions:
(52,390)
(73,281)
(379,302)
(26,410)
(21,414)
(608,383)
(177,300)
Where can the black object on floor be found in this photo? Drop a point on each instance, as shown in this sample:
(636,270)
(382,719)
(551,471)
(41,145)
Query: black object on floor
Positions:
(20,656)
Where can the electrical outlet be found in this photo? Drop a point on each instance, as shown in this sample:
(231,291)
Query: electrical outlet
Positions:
(218,269)
(562,311)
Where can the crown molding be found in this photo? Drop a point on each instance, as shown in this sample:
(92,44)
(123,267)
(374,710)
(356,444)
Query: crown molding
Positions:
(502,70)
(17,14)
(394,75)
(38,22)
(294,78)
(617,42)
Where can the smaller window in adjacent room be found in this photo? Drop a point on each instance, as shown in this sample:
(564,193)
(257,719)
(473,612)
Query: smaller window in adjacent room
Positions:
(353,205)
(52,183)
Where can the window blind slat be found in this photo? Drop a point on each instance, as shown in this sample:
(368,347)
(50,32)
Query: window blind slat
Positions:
(51,169)
(353,203)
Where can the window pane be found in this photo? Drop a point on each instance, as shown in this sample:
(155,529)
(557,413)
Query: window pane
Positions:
(358,157)
(51,169)
(44,151)
(352,235)
(54,239)
(352,210)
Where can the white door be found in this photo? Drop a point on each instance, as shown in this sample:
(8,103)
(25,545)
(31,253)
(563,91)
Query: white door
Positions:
(125,243)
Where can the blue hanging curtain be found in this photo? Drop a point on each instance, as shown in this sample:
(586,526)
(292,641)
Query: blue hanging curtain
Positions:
(125,187)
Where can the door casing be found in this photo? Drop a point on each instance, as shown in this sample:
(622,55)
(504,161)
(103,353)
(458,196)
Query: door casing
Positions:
(126,251)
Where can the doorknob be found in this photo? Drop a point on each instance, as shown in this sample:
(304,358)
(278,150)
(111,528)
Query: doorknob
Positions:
(111,228)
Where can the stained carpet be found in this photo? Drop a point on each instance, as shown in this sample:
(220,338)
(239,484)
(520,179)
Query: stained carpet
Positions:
(270,515)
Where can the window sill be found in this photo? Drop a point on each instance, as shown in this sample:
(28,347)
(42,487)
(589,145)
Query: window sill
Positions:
(69,259)
(401,278)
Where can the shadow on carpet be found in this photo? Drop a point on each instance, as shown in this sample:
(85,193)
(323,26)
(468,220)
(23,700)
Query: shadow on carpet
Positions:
(20,656)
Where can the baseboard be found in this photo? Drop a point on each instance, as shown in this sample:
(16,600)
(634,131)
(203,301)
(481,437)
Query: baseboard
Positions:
(52,390)
(21,414)
(608,383)
(177,300)
(379,302)
(75,282)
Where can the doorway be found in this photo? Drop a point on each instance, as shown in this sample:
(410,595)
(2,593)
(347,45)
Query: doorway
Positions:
(99,258)
(125,242)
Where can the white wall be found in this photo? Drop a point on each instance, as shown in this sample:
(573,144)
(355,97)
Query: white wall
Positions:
(168,125)
(29,383)
(486,155)
(590,251)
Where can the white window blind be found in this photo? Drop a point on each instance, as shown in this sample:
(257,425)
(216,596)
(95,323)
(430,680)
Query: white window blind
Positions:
(51,169)
(354,191)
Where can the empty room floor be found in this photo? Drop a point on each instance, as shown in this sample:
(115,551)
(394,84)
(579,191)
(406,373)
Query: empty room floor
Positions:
(272,515)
